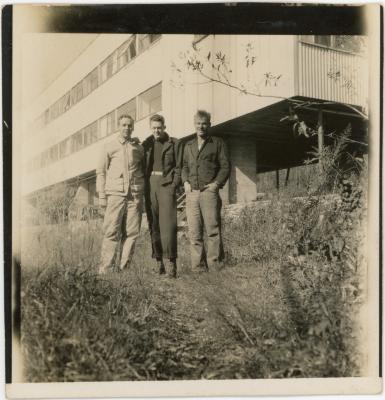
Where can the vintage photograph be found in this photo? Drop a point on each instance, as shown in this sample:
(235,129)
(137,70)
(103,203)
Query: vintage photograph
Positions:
(195,206)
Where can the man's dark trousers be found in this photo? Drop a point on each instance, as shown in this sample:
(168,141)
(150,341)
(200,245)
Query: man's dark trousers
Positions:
(164,219)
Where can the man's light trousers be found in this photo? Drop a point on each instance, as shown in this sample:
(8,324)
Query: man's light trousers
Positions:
(203,210)
(121,226)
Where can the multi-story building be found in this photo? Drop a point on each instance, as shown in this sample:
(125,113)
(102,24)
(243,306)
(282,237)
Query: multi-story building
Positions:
(146,74)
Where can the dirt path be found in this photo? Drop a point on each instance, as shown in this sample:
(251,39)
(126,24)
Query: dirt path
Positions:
(230,314)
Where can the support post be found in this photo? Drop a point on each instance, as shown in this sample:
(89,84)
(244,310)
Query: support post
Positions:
(287,176)
(277,179)
(320,138)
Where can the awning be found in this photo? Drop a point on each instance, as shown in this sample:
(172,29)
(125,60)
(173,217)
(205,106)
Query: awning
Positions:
(278,145)
(272,124)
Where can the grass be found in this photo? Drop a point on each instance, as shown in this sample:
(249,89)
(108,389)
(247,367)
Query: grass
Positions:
(136,325)
(283,307)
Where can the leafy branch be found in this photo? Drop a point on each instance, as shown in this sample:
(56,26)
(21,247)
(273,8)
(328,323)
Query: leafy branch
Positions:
(216,68)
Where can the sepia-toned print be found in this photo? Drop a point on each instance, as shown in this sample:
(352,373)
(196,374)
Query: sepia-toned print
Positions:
(196,207)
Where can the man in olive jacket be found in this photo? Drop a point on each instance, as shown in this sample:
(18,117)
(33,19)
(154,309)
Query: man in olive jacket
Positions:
(205,170)
(162,177)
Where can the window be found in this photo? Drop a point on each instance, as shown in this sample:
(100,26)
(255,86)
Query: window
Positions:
(72,96)
(103,126)
(351,43)
(79,91)
(154,37)
(108,67)
(90,133)
(66,101)
(94,79)
(115,61)
(64,148)
(87,85)
(150,101)
(44,158)
(53,153)
(126,52)
(146,40)
(77,141)
(76,93)
(128,108)
(323,40)
(111,123)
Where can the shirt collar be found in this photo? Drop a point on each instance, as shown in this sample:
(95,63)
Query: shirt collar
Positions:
(206,139)
(123,141)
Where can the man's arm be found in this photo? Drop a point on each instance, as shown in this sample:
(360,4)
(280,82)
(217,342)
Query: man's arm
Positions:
(178,163)
(101,170)
(185,169)
(143,164)
(184,165)
(224,164)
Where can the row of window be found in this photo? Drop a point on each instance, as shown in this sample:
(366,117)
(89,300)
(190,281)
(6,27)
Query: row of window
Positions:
(112,64)
(350,43)
(147,103)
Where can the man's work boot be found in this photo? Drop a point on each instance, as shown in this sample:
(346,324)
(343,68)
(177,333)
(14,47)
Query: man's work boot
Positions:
(172,268)
(161,268)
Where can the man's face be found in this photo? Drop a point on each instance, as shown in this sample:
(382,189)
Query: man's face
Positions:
(126,126)
(202,125)
(157,129)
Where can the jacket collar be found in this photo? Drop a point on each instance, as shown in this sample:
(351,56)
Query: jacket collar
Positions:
(208,139)
(151,140)
(194,145)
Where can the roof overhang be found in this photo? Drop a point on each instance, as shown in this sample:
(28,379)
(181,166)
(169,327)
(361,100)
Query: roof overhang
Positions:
(278,146)
(271,123)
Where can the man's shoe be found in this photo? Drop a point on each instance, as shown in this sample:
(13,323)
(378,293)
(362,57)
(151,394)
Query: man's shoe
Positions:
(161,268)
(172,268)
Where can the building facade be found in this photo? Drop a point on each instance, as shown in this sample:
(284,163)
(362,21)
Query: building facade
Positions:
(141,75)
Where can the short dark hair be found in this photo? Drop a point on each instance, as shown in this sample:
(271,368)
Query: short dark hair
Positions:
(203,114)
(157,118)
(126,116)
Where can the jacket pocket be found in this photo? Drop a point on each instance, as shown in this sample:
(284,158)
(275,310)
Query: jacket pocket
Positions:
(114,184)
(166,180)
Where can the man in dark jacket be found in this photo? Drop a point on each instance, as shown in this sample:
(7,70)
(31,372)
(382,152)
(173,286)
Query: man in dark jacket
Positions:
(205,170)
(162,177)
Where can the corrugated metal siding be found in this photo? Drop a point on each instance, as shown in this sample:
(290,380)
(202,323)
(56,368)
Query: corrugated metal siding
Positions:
(330,74)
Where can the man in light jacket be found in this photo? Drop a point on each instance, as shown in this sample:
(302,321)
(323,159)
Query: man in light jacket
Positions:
(205,170)
(120,185)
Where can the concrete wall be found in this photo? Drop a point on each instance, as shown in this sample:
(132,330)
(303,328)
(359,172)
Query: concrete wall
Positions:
(243,178)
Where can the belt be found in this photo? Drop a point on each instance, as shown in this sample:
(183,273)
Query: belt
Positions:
(157,173)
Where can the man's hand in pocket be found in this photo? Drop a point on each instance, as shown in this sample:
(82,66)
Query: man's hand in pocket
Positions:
(102,206)
(187,187)
(212,187)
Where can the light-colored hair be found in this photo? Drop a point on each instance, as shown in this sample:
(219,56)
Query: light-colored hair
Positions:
(126,116)
(157,118)
(203,114)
